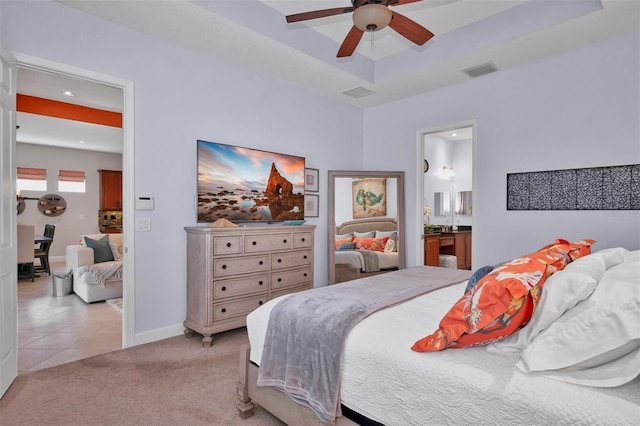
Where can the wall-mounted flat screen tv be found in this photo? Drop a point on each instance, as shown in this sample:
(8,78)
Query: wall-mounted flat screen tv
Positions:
(248,185)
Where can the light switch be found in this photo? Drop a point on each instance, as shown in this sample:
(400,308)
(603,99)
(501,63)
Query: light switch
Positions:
(144,224)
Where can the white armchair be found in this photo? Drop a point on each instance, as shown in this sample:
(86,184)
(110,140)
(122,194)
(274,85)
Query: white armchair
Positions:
(84,285)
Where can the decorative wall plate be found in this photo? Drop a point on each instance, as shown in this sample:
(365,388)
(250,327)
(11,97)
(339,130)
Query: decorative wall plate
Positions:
(52,205)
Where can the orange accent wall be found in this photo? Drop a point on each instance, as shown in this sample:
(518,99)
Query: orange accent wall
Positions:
(48,107)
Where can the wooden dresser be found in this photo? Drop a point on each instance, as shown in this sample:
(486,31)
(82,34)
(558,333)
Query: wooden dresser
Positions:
(232,271)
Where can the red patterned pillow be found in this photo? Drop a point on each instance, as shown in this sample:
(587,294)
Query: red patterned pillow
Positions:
(375,244)
(342,240)
(498,305)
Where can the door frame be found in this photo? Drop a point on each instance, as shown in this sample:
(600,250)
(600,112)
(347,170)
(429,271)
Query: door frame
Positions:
(128,235)
(420,135)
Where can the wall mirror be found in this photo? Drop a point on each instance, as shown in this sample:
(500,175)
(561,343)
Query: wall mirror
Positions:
(463,203)
(365,201)
(441,203)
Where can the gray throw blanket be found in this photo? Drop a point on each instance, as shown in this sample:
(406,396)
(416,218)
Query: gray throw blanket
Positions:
(306,331)
(371,263)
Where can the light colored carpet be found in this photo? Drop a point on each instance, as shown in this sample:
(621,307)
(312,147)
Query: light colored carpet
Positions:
(116,304)
(175,381)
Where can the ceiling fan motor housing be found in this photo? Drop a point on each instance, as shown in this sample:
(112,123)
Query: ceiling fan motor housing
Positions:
(371,17)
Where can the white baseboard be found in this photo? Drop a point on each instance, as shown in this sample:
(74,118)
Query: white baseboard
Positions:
(158,334)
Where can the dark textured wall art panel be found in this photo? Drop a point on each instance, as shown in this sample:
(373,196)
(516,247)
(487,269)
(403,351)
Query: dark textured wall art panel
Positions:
(595,188)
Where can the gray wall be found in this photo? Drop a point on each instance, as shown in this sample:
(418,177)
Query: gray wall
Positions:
(577,110)
(81,216)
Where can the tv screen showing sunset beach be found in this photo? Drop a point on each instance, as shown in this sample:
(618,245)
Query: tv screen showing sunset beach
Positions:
(248,185)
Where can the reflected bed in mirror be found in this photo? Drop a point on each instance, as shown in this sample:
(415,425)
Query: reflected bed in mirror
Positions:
(366,211)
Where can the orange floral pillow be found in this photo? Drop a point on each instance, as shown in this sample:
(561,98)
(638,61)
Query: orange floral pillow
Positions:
(561,253)
(498,305)
(581,248)
(375,244)
(342,240)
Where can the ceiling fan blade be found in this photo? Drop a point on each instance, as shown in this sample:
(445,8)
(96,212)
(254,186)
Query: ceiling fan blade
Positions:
(410,29)
(304,16)
(350,42)
(400,2)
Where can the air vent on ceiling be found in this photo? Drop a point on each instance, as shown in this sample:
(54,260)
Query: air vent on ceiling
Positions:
(479,70)
(358,92)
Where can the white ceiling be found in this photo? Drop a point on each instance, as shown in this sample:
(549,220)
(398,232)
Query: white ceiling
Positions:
(468,33)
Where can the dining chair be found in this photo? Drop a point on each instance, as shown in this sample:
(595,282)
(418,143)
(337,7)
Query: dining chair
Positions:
(42,252)
(26,234)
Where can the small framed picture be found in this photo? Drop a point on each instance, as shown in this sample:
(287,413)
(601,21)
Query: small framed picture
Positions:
(311,205)
(311,180)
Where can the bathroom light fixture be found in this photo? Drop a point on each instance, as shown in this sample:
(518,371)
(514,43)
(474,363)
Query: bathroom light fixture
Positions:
(68,93)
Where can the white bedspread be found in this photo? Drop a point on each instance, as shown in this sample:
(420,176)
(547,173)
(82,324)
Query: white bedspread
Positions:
(387,382)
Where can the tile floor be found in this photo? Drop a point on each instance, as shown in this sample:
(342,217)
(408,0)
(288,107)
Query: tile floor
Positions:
(56,330)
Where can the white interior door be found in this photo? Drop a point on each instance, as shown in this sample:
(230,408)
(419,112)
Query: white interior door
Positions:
(8,250)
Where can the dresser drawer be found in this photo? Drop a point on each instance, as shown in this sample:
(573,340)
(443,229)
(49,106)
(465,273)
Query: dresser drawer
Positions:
(234,308)
(269,242)
(231,244)
(289,290)
(291,259)
(234,287)
(240,265)
(290,278)
(302,240)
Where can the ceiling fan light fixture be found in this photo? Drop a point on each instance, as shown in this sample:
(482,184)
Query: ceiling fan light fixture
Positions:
(371,17)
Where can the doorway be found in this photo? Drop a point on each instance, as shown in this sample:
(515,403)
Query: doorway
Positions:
(89,77)
(445,183)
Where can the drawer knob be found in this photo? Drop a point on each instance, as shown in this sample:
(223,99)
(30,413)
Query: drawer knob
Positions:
(279,280)
(305,256)
(260,263)
(305,274)
(224,266)
(224,310)
(284,241)
(228,244)
(260,283)
(254,243)
(260,302)
(303,239)
(279,260)
(224,289)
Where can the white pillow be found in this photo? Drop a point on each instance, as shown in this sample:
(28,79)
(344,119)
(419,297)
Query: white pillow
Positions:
(601,334)
(593,266)
(115,242)
(390,246)
(611,256)
(370,234)
(561,292)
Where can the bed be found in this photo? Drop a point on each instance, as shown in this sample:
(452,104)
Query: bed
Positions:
(507,381)
(352,261)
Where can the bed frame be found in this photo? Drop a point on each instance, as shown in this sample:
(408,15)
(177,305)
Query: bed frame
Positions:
(271,399)
(345,272)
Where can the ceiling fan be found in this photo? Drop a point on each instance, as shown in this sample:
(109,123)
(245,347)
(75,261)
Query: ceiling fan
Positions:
(370,15)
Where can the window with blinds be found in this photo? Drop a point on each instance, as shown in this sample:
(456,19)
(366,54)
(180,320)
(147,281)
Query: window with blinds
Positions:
(71,181)
(31,179)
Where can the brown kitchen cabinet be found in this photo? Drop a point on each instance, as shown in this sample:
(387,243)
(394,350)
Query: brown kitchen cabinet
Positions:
(110,190)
